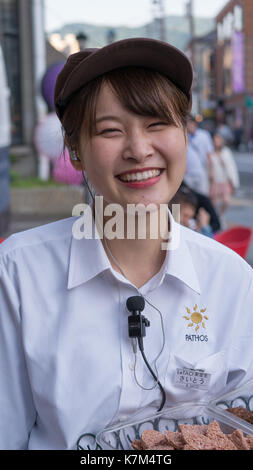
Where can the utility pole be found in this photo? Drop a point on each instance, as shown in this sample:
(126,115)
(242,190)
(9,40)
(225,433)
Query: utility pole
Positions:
(158,13)
(189,14)
(195,90)
(82,40)
(40,65)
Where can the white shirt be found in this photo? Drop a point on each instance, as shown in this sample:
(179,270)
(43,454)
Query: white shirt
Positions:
(224,167)
(201,143)
(194,176)
(66,361)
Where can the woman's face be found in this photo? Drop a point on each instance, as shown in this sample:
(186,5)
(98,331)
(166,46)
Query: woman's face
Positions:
(132,159)
(218,141)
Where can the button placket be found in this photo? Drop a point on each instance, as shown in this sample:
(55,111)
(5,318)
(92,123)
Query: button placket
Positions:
(131,393)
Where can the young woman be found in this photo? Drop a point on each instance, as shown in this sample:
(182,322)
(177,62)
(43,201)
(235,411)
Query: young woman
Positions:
(71,362)
(225,177)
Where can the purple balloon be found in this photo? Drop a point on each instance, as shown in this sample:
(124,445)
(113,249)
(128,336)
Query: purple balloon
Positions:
(48,83)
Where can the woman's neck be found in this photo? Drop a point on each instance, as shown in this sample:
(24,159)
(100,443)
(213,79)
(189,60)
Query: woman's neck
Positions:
(139,258)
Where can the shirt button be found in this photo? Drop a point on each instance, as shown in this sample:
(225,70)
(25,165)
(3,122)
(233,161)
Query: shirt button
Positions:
(123,418)
(131,365)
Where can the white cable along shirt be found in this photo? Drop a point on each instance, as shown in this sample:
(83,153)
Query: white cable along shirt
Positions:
(66,362)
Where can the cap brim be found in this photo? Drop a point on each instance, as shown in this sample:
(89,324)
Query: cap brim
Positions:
(138,52)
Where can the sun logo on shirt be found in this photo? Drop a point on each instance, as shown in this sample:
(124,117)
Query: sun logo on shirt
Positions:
(196,318)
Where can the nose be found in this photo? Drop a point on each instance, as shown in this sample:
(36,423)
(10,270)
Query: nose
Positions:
(138,146)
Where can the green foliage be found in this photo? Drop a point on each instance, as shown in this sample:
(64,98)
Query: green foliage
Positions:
(30,182)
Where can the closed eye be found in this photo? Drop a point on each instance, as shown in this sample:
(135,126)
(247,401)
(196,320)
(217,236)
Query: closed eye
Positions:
(105,131)
(159,123)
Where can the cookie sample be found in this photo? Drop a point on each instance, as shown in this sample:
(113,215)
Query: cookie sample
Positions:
(242,413)
(194,437)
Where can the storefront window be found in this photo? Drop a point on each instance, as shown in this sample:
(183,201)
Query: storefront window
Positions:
(9,37)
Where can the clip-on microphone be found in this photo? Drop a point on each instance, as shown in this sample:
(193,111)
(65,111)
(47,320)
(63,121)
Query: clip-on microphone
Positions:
(137,324)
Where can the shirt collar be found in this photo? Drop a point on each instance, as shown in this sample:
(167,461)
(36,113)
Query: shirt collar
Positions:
(179,262)
(88,257)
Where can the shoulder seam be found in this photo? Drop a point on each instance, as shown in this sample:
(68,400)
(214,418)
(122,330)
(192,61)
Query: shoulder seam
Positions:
(38,242)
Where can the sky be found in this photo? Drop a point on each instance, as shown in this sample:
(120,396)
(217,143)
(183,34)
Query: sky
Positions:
(119,12)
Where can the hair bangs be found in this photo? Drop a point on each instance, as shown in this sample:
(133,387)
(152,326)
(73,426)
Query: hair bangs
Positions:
(148,93)
(142,91)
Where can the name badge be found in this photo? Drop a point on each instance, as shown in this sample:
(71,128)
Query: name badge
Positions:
(192,378)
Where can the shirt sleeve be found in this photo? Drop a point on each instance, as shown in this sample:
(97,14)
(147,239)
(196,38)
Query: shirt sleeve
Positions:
(17,411)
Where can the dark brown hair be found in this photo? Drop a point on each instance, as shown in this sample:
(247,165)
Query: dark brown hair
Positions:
(184,196)
(142,91)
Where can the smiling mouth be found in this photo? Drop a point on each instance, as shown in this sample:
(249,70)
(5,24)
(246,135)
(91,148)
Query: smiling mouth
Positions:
(140,175)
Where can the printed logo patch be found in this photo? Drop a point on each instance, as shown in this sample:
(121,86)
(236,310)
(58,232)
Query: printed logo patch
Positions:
(196,318)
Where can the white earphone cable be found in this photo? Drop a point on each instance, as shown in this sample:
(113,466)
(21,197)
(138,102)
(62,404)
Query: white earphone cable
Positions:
(160,314)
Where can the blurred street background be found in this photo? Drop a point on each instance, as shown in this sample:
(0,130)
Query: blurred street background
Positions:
(37,184)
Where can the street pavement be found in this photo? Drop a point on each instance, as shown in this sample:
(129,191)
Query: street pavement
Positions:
(241,210)
(239,213)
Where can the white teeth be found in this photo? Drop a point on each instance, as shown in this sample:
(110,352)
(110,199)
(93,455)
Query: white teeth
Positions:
(140,176)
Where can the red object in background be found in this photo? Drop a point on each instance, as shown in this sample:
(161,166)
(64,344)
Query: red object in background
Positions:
(1,240)
(237,238)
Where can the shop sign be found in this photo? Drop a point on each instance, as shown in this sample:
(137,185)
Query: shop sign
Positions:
(232,22)
(238,75)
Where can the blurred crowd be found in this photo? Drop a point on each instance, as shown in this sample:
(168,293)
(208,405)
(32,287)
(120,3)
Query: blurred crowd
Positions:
(210,180)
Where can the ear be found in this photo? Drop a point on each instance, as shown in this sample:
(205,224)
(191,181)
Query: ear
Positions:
(75,160)
(77,164)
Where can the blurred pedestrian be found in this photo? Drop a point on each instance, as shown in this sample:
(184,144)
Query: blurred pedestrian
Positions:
(238,132)
(190,216)
(205,202)
(225,177)
(195,174)
(200,143)
(227,134)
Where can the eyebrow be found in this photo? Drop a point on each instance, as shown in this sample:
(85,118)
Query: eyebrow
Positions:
(107,118)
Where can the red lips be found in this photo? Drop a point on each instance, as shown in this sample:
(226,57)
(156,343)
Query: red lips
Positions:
(139,170)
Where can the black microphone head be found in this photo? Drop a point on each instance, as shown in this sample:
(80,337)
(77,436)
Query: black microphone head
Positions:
(135,303)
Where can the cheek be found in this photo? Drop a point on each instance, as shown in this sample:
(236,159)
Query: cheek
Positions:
(98,161)
(176,156)
(174,146)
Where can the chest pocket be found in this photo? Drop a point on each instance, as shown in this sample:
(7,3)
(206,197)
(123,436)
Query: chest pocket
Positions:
(215,365)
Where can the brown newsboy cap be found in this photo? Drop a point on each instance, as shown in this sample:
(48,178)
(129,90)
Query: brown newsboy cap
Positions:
(86,65)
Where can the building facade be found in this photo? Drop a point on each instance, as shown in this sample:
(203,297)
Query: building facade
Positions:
(201,51)
(234,65)
(9,38)
(23,42)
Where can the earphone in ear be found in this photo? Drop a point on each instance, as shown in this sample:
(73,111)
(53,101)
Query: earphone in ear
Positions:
(73,156)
